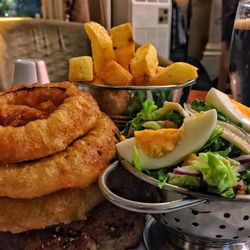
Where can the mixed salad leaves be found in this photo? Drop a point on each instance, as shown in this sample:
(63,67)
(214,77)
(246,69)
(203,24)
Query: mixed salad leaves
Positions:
(140,96)
(152,117)
(218,167)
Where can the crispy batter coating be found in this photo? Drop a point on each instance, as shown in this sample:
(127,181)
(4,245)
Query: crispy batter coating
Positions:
(18,115)
(40,120)
(77,166)
(65,206)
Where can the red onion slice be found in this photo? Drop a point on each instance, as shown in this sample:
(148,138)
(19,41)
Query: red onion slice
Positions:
(241,168)
(243,159)
(184,171)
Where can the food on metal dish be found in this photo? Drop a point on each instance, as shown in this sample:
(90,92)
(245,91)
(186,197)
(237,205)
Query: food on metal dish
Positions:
(115,74)
(233,117)
(81,68)
(179,72)
(144,64)
(40,120)
(224,104)
(206,150)
(101,44)
(169,146)
(117,61)
(123,44)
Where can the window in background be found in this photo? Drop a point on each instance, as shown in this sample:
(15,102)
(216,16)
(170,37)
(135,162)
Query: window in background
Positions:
(20,8)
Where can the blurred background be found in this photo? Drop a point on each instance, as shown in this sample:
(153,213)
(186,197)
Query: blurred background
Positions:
(181,30)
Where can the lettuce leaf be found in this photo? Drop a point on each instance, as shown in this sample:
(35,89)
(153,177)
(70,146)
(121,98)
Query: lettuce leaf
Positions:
(154,125)
(213,141)
(218,172)
(150,112)
(136,160)
(186,181)
(219,145)
(146,114)
(199,105)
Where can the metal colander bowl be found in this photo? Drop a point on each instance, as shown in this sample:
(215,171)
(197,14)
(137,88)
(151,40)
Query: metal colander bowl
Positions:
(214,221)
(199,217)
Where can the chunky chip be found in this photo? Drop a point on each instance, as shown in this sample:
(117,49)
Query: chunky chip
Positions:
(115,74)
(176,73)
(160,69)
(81,69)
(101,44)
(123,44)
(144,64)
(117,63)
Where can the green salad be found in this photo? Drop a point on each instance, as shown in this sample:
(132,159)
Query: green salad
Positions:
(204,159)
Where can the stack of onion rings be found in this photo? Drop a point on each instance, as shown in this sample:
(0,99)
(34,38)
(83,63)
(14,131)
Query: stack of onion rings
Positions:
(54,141)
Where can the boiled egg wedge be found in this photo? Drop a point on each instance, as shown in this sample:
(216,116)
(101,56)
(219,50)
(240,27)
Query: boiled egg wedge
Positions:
(196,132)
(222,103)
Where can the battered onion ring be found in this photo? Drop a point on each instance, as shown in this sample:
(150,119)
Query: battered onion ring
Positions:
(75,116)
(65,206)
(77,166)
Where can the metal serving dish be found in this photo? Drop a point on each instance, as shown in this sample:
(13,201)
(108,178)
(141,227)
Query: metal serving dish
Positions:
(209,219)
(122,103)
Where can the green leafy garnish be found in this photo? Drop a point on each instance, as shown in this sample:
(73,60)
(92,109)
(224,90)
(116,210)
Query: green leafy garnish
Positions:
(138,98)
(186,181)
(175,117)
(146,114)
(160,96)
(219,145)
(246,176)
(154,125)
(199,105)
(151,113)
(218,172)
(136,160)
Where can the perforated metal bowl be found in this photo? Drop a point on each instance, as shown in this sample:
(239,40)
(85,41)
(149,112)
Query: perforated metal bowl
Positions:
(197,216)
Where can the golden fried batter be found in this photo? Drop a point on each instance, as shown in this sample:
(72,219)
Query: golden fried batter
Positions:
(65,206)
(61,114)
(18,115)
(77,166)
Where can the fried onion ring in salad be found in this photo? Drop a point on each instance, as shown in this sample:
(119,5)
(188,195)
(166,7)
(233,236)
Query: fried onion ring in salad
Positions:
(77,166)
(65,206)
(39,120)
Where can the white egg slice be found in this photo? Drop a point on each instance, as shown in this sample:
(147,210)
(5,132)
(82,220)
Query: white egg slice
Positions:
(222,103)
(197,130)
(169,106)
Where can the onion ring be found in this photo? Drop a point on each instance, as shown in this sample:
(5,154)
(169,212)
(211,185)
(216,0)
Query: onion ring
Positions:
(77,166)
(65,206)
(39,120)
